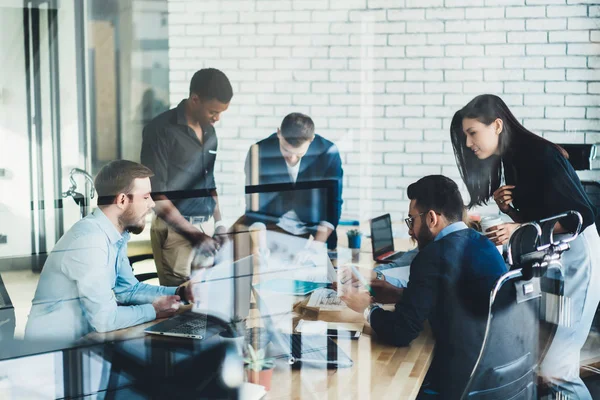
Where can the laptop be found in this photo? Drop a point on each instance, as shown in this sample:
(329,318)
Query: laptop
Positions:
(301,349)
(226,292)
(382,240)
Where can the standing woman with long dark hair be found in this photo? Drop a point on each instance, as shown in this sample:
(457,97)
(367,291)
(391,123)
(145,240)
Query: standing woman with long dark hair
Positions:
(530,178)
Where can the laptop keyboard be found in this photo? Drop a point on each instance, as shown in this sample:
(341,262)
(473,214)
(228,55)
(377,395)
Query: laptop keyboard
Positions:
(196,326)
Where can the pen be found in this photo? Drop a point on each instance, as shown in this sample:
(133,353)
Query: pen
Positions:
(362,280)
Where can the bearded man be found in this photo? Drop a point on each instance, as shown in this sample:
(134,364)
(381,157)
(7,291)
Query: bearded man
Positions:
(449,285)
(87,283)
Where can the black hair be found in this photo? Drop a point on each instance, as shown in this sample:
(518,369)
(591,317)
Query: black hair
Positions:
(210,83)
(482,177)
(440,194)
(297,128)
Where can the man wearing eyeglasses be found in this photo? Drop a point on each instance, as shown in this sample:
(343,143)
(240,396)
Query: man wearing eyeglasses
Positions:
(450,282)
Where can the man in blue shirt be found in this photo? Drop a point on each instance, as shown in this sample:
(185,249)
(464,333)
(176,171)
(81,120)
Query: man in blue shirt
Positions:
(87,283)
(450,283)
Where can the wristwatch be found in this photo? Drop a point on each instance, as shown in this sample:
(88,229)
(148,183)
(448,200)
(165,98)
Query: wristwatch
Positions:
(180,291)
(379,275)
(367,312)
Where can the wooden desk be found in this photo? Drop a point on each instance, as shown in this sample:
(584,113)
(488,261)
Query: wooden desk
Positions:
(379,370)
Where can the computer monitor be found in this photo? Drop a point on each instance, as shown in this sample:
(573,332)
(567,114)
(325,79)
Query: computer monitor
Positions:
(224,290)
(313,201)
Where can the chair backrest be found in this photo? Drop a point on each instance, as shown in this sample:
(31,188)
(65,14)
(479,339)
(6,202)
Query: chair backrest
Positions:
(526,308)
(506,367)
(7,315)
(592,189)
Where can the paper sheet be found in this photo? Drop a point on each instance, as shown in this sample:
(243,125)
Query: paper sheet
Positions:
(251,391)
(326,299)
(401,273)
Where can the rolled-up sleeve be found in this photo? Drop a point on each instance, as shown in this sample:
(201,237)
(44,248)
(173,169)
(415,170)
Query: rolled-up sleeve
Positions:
(129,291)
(88,266)
(154,155)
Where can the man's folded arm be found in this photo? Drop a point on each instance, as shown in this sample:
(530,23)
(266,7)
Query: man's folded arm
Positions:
(129,291)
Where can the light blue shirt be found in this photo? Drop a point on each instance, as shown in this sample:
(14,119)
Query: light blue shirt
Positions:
(456,226)
(87,284)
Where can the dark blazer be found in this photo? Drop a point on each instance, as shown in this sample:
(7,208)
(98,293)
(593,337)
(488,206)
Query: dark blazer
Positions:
(321,162)
(450,284)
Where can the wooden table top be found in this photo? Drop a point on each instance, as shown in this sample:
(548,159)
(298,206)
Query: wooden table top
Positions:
(379,370)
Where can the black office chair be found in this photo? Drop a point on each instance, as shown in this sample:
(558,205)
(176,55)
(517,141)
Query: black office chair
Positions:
(592,189)
(145,276)
(7,315)
(523,314)
(509,354)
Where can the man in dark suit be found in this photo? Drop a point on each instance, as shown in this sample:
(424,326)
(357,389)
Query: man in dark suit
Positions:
(450,283)
(303,160)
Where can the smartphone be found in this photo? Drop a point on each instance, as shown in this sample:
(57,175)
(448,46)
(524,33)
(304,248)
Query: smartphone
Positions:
(343,334)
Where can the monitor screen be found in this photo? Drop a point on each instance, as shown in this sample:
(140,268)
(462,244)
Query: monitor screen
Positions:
(381,234)
(312,201)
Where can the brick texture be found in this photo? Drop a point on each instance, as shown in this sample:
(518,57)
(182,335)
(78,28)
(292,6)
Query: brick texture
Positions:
(382,78)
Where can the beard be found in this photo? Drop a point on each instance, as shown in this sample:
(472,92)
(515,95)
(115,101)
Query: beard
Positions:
(132,223)
(424,237)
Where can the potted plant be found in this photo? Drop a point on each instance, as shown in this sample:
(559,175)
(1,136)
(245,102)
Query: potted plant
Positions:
(236,333)
(354,238)
(258,367)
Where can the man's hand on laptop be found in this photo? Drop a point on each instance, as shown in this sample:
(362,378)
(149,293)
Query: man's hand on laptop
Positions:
(166,306)
(185,292)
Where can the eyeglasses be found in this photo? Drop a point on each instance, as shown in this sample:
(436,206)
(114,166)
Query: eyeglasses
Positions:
(410,221)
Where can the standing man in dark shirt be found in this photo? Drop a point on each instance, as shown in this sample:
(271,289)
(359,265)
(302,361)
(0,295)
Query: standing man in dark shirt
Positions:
(180,146)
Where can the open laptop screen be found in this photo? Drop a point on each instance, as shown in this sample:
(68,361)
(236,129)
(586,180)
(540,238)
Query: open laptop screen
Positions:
(381,235)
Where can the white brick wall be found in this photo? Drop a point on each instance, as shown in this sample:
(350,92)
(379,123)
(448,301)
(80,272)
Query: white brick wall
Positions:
(382,78)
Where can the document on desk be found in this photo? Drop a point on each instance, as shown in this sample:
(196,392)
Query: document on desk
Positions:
(400,273)
(326,299)
(251,391)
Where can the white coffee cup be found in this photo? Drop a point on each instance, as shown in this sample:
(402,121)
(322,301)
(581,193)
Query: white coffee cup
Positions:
(488,222)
